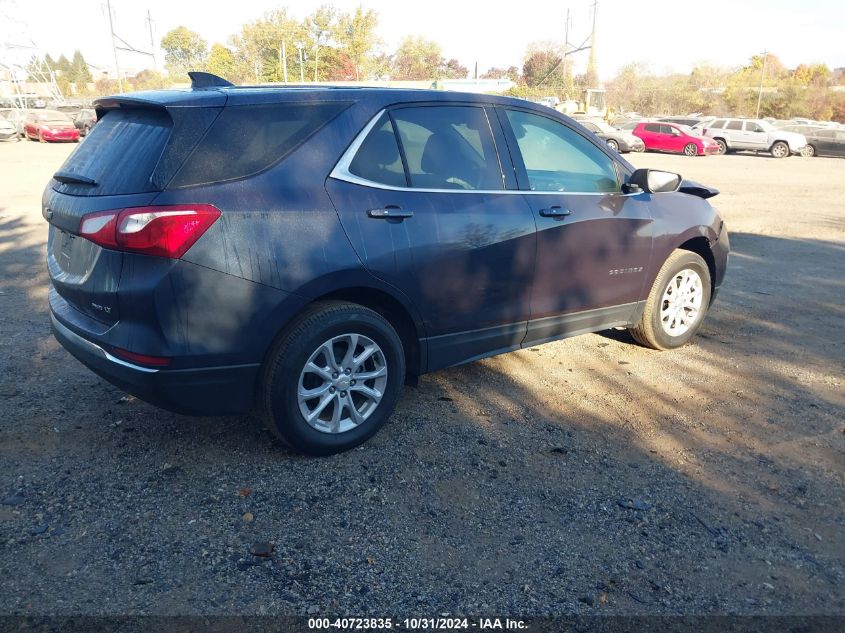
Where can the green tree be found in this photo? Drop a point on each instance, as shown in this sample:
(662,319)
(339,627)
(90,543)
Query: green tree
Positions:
(184,50)
(63,66)
(221,62)
(80,73)
(357,38)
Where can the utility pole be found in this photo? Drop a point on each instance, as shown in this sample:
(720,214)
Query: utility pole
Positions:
(762,74)
(152,41)
(284,55)
(299,46)
(114,48)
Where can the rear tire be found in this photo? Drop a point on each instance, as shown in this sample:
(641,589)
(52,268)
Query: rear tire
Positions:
(312,357)
(723,147)
(613,145)
(780,150)
(676,304)
(690,149)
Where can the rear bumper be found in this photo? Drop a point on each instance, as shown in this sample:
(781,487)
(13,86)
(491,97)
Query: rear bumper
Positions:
(206,391)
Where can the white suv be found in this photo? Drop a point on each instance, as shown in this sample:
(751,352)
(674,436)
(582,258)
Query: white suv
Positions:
(754,134)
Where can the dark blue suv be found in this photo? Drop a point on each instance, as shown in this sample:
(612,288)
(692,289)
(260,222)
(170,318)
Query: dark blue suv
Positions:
(308,250)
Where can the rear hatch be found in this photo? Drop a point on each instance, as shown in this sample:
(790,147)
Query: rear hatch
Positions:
(125,161)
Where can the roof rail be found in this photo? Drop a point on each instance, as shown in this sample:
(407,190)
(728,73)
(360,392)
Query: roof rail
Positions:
(207,80)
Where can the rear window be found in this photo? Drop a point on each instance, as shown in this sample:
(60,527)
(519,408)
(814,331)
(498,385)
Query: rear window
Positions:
(245,140)
(119,154)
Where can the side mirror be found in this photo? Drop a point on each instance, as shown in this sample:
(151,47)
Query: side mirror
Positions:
(653,181)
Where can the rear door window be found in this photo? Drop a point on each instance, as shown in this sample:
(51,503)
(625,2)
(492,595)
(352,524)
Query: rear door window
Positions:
(653,127)
(448,147)
(734,125)
(378,159)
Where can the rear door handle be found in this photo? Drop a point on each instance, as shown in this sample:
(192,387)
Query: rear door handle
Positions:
(554,212)
(388,213)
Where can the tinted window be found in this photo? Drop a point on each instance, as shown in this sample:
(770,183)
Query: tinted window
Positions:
(559,159)
(245,140)
(653,127)
(750,126)
(668,129)
(120,153)
(448,147)
(718,124)
(378,158)
(826,133)
(734,125)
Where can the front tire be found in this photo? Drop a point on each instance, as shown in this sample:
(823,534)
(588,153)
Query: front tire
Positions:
(723,147)
(333,378)
(809,151)
(690,149)
(677,303)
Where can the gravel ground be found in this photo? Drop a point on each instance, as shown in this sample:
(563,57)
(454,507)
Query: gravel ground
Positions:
(584,476)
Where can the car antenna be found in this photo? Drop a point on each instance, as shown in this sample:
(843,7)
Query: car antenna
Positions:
(207,80)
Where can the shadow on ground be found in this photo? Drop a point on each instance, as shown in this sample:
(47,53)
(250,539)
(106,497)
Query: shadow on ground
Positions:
(589,475)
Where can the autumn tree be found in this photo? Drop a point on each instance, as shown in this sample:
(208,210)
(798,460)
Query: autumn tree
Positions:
(357,38)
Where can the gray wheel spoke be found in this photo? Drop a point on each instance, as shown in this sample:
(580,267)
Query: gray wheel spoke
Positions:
(324,401)
(350,351)
(363,356)
(369,375)
(316,391)
(368,392)
(323,372)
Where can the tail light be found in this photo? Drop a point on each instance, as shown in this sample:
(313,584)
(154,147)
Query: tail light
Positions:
(162,231)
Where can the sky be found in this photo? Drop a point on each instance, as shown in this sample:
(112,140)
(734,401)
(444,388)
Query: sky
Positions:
(666,35)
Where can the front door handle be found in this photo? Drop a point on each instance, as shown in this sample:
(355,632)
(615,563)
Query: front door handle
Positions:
(390,212)
(554,212)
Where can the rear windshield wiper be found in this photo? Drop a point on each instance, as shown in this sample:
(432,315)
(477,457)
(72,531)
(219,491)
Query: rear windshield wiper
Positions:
(69,177)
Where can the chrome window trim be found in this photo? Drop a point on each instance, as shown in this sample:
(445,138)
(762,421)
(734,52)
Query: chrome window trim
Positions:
(341,172)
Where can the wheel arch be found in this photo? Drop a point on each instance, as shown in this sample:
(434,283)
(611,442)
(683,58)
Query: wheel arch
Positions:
(700,245)
(369,292)
(395,312)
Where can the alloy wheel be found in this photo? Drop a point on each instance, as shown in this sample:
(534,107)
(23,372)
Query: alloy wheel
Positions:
(342,383)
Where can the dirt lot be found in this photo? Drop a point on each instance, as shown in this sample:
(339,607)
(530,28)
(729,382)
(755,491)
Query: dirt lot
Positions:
(494,489)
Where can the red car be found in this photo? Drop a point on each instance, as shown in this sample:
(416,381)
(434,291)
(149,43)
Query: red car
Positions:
(670,137)
(50,125)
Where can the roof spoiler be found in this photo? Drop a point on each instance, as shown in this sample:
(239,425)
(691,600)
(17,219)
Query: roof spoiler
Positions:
(207,80)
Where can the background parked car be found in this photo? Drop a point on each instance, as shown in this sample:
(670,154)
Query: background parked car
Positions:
(50,125)
(616,140)
(756,135)
(84,120)
(670,137)
(821,141)
(7,130)
(16,117)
